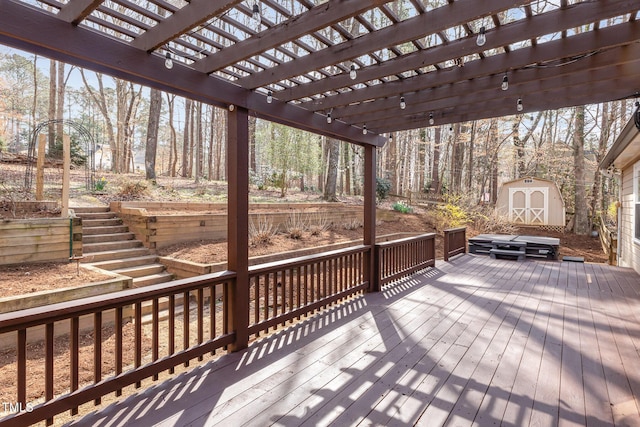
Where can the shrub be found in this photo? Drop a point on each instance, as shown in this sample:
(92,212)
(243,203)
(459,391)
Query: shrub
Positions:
(383,187)
(261,233)
(402,207)
(319,223)
(132,190)
(354,224)
(295,226)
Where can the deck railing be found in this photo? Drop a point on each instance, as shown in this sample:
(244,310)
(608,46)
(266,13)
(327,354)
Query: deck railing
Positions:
(403,257)
(157,311)
(285,290)
(137,334)
(455,242)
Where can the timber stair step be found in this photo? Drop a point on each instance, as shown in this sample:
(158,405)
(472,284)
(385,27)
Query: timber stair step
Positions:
(117,264)
(141,270)
(115,254)
(90,216)
(100,222)
(108,244)
(89,248)
(90,209)
(152,279)
(107,237)
(106,229)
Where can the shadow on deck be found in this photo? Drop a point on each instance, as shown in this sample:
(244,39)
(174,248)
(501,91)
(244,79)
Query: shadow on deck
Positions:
(474,341)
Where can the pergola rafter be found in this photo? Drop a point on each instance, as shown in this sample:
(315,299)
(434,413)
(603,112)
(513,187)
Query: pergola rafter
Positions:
(302,52)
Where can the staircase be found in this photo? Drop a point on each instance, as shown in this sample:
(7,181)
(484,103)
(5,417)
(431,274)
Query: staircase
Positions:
(108,244)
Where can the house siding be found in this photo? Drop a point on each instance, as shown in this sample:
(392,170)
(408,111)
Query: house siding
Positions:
(629,250)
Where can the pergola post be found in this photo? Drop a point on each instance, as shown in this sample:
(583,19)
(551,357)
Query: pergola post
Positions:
(370,264)
(238,223)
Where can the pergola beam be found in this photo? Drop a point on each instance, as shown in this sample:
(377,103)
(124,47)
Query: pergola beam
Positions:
(493,65)
(483,89)
(563,97)
(86,48)
(551,22)
(182,21)
(432,22)
(321,16)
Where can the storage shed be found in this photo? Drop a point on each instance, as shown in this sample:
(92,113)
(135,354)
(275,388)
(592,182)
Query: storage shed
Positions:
(531,201)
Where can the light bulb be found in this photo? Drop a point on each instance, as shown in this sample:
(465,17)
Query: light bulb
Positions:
(256,13)
(352,73)
(391,136)
(505,82)
(328,117)
(431,120)
(403,104)
(482,38)
(168,62)
(519,105)
(269,97)
(364,129)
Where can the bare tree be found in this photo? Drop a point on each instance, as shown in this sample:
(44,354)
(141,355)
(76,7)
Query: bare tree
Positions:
(581,224)
(153,125)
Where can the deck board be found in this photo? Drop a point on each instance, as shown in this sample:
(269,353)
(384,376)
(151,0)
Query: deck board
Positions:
(475,341)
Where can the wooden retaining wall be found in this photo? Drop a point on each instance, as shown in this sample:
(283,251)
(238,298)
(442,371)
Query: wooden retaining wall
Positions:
(39,240)
(159,230)
(182,269)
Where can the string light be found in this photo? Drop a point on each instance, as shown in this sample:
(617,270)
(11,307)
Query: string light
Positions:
(505,82)
(168,62)
(482,37)
(256,13)
(329,117)
(403,104)
(352,73)
(364,129)
(269,97)
(431,119)
(519,105)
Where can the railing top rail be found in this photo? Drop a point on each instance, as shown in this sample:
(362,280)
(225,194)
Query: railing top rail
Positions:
(404,240)
(21,319)
(296,262)
(453,230)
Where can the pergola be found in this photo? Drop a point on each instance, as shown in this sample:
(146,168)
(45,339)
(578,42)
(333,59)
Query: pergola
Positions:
(415,63)
(353,70)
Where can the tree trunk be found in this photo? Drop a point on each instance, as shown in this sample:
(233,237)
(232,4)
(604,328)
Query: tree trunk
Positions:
(155,106)
(173,150)
(60,100)
(581,225)
(51,113)
(347,168)
(435,171)
(186,138)
(605,128)
(519,148)
(198,141)
(101,102)
(332,170)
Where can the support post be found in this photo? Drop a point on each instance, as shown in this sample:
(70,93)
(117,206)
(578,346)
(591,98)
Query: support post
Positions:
(238,223)
(370,264)
(42,141)
(66,174)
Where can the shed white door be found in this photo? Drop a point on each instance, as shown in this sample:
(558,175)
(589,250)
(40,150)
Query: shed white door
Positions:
(529,206)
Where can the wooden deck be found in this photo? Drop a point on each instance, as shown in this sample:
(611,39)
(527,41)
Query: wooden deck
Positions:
(474,341)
